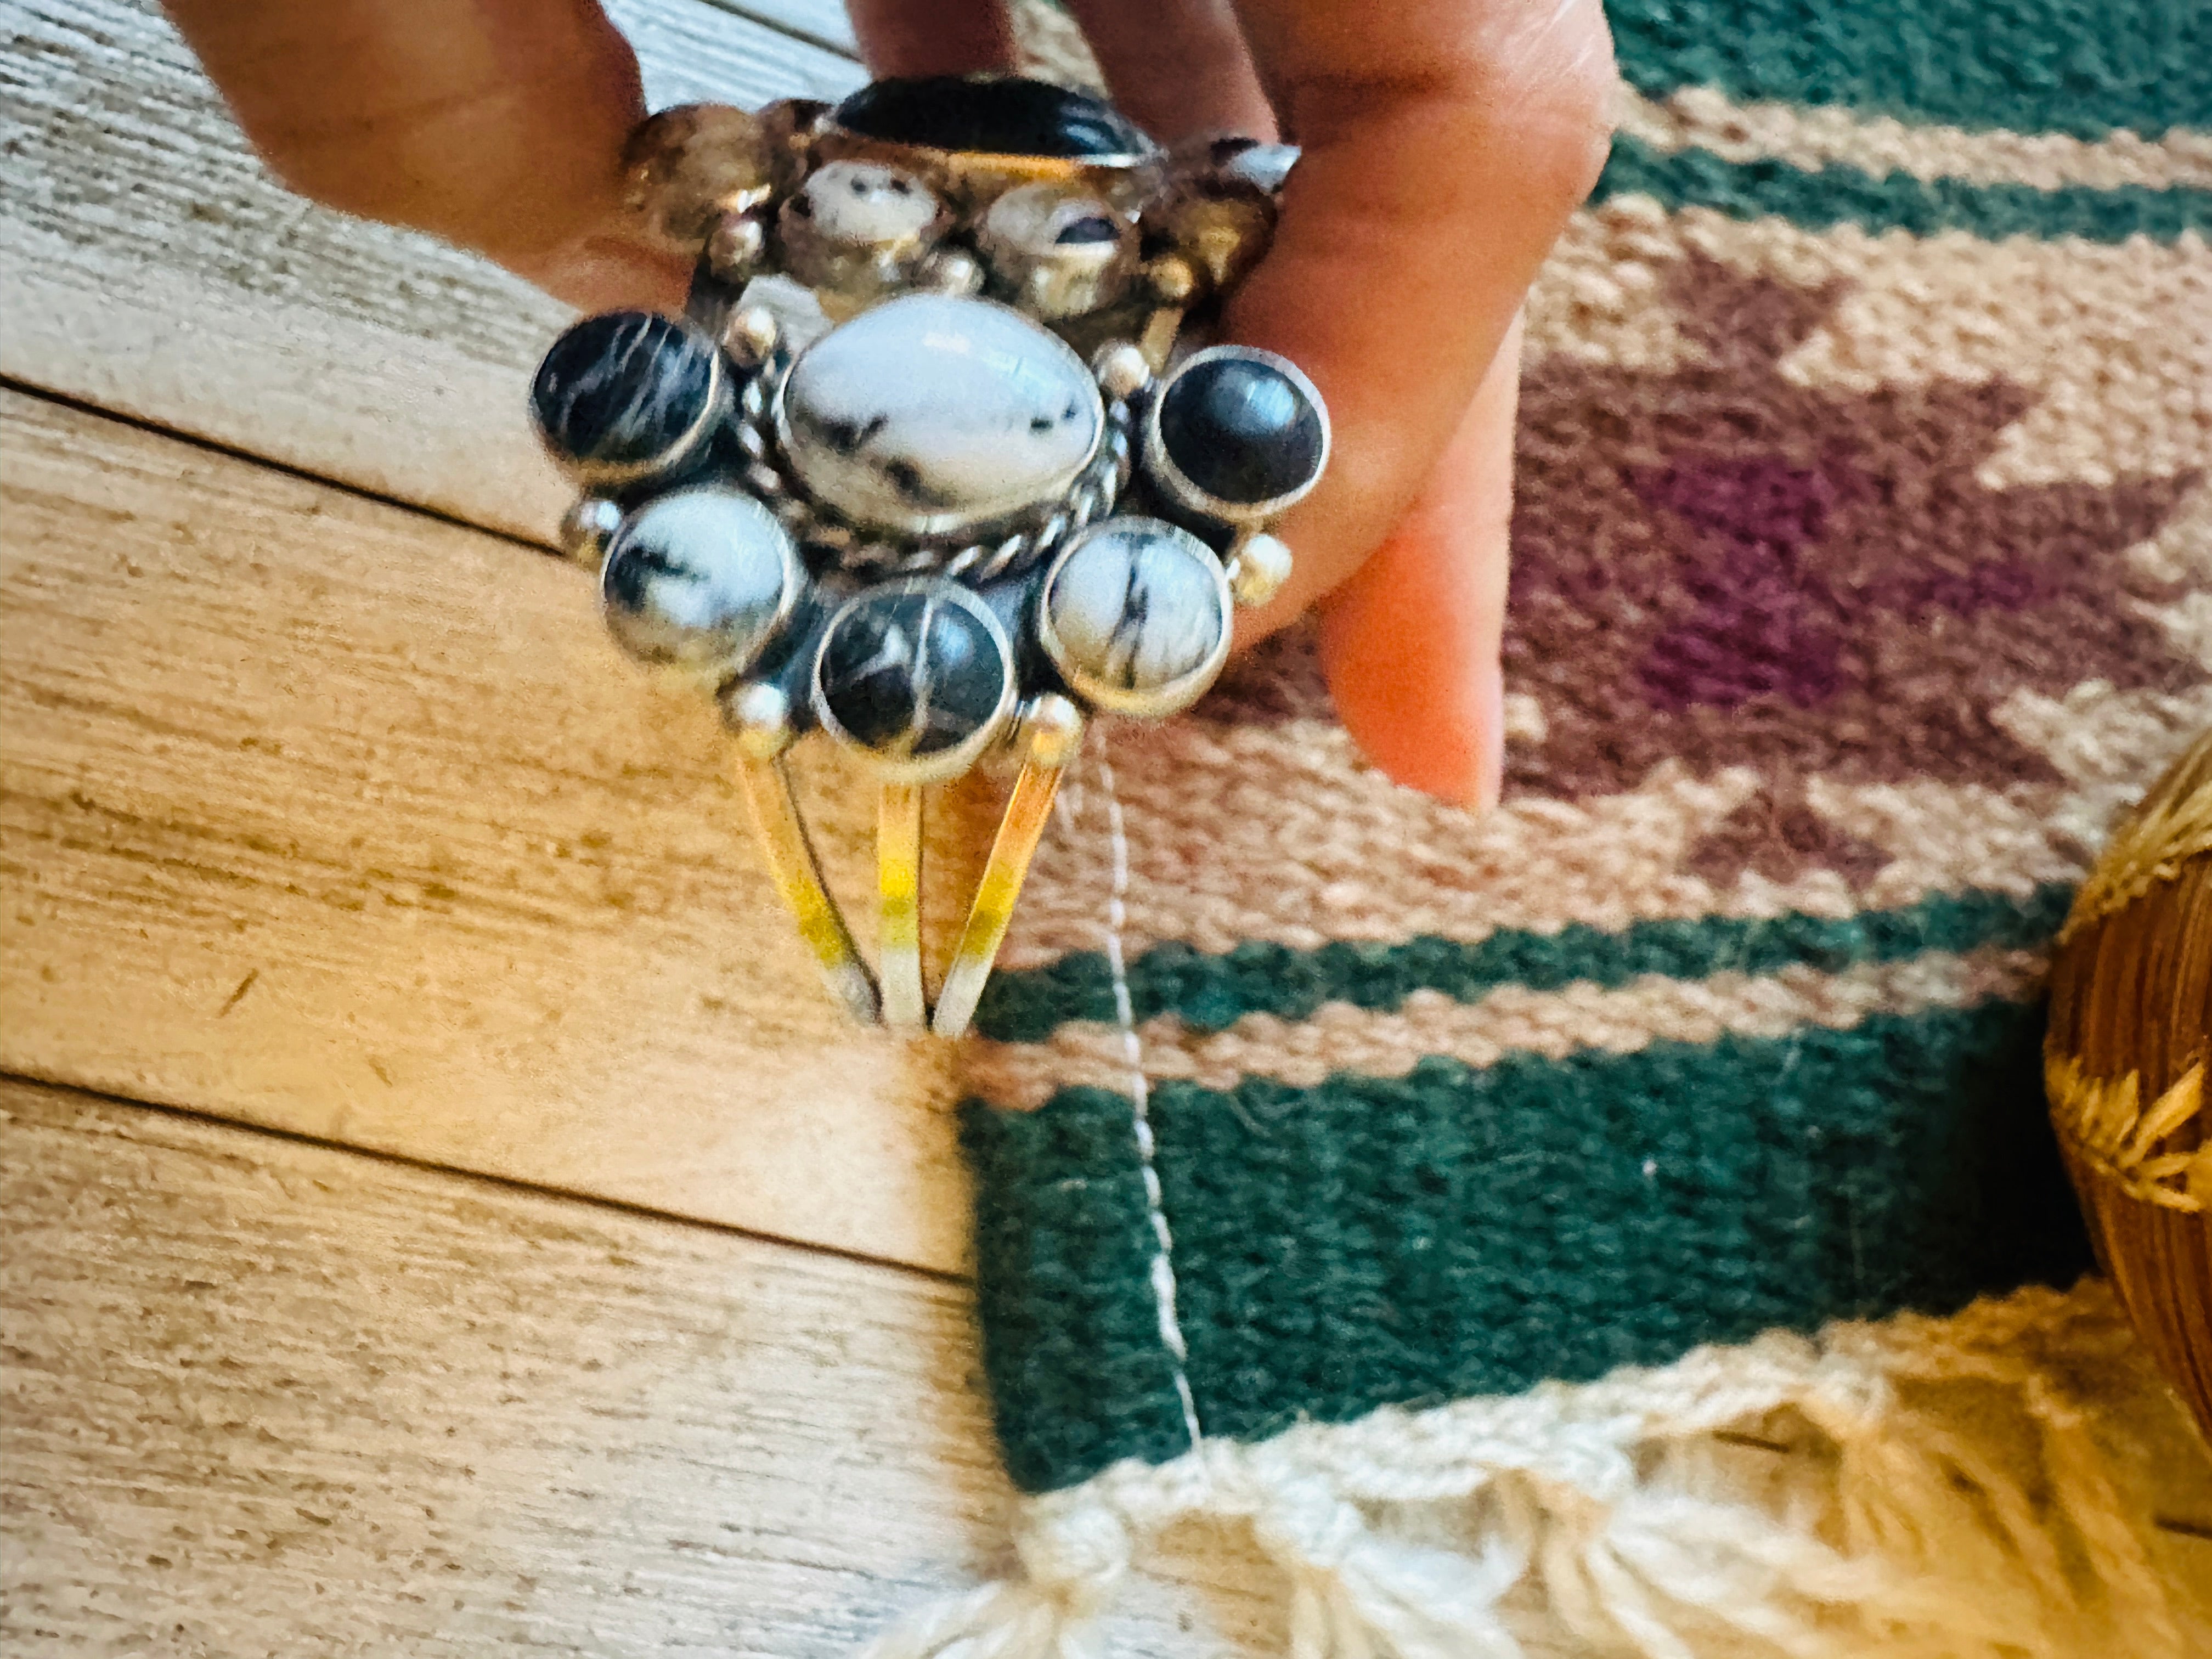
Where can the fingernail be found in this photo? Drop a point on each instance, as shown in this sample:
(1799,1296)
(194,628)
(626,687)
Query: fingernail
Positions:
(1490,766)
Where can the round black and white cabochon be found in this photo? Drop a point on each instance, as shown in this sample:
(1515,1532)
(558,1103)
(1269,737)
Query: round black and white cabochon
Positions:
(699,579)
(1134,614)
(626,393)
(917,674)
(1238,433)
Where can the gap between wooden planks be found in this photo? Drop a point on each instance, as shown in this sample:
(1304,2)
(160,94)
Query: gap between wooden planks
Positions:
(270,1399)
(318,813)
(149,265)
(266,1398)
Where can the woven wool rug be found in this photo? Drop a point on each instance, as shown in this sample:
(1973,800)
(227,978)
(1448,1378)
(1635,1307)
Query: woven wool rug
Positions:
(1626,1221)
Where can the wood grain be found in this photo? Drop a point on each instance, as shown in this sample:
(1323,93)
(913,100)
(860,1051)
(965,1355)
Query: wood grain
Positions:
(265,1398)
(270,1399)
(821,21)
(323,815)
(150,265)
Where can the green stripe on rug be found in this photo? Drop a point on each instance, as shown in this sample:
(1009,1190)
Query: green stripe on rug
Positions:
(1836,195)
(1212,993)
(2083,67)
(1458,1232)
(1071,1332)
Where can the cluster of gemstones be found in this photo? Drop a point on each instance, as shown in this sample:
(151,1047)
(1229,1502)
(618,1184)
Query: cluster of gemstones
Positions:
(932,465)
(924,456)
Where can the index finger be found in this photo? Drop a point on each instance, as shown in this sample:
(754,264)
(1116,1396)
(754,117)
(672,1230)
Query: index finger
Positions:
(495,123)
(1441,156)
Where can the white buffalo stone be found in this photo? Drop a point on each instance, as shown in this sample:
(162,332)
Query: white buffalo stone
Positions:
(931,415)
(1136,616)
(699,579)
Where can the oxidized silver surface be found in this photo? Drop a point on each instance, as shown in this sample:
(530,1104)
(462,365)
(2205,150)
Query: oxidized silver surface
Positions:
(924,472)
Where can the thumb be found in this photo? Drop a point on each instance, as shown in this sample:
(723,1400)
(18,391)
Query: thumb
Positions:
(495,123)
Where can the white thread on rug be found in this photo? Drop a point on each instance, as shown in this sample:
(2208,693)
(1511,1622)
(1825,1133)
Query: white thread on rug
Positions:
(1070,799)
(1140,1098)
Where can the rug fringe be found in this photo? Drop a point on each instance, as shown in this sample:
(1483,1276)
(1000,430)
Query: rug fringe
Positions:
(1951,1499)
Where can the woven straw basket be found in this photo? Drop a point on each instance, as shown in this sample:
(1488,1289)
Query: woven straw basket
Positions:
(2130,1039)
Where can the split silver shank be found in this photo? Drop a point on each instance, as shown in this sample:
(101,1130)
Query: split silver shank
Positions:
(922,472)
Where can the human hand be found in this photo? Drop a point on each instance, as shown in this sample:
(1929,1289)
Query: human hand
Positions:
(1444,144)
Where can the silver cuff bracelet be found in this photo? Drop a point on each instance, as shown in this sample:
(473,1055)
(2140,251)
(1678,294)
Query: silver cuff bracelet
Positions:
(928,467)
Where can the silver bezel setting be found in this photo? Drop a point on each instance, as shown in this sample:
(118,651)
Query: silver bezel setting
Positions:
(717,408)
(954,529)
(947,763)
(1006,548)
(1160,467)
(588,530)
(1161,701)
(720,669)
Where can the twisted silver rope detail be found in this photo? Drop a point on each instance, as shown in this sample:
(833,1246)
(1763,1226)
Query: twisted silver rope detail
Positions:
(1091,497)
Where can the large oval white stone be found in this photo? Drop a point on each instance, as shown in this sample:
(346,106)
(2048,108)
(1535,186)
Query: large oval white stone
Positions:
(933,416)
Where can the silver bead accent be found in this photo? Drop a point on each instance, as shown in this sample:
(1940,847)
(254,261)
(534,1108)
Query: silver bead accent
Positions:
(857,230)
(928,416)
(759,716)
(1172,279)
(950,271)
(1056,251)
(796,313)
(588,527)
(735,249)
(752,335)
(1258,569)
(1050,731)
(1134,614)
(1121,369)
(699,579)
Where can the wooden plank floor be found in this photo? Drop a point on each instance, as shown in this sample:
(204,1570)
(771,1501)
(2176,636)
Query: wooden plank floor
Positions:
(271,1398)
(154,268)
(484,1237)
(479,1237)
(322,814)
